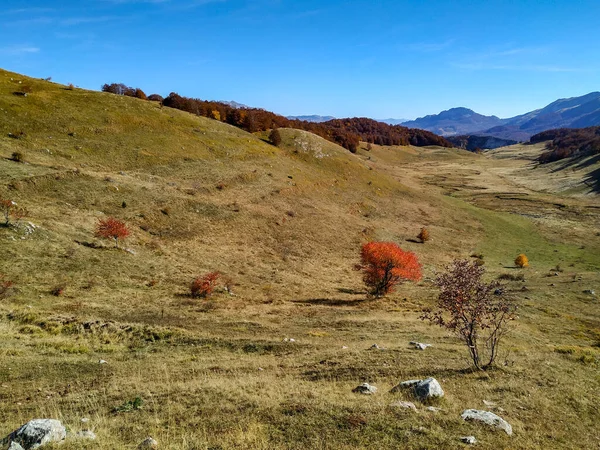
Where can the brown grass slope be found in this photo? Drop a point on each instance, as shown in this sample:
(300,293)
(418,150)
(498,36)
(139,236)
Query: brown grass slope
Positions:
(285,225)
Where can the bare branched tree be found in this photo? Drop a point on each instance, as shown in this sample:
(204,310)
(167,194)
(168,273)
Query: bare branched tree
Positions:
(478,313)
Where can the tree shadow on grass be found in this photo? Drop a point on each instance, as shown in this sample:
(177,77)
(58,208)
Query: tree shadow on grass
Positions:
(351,291)
(331,301)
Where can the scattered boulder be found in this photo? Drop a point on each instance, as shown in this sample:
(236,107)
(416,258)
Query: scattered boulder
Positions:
(365,388)
(148,443)
(419,345)
(488,418)
(589,292)
(15,446)
(38,432)
(404,385)
(404,405)
(469,440)
(429,388)
(424,389)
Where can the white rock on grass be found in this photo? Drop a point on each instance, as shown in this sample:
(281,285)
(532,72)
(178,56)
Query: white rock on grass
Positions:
(404,385)
(365,389)
(424,389)
(429,388)
(404,405)
(469,440)
(488,418)
(148,443)
(38,432)
(419,345)
(15,446)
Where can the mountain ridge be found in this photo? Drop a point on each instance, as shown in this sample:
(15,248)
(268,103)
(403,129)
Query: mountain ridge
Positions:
(571,112)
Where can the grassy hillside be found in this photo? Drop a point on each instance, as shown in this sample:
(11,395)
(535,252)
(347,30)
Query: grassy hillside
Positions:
(284,224)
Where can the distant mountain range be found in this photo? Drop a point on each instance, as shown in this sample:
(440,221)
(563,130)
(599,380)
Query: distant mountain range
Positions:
(393,121)
(313,118)
(575,112)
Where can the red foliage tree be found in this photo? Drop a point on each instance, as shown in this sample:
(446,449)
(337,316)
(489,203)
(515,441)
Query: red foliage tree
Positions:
(385,264)
(112,228)
(205,285)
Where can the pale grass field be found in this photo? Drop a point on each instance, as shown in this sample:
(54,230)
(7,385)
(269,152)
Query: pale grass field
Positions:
(285,225)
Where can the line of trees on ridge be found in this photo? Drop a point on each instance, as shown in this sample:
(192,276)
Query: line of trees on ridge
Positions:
(345,132)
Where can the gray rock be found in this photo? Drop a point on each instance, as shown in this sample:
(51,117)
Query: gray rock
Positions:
(86,434)
(404,385)
(148,443)
(589,292)
(428,388)
(404,405)
(375,347)
(487,418)
(469,440)
(38,432)
(15,446)
(365,388)
(433,409)
(419,345)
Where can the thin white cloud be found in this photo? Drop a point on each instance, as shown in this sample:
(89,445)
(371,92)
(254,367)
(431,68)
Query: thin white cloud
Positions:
(16,50)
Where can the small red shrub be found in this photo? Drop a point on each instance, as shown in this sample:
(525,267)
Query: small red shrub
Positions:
(204,286)
(112,228)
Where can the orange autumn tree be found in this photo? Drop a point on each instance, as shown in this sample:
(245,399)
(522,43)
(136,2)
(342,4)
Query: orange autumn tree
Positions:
(112,228)
(385,265)
(205,285)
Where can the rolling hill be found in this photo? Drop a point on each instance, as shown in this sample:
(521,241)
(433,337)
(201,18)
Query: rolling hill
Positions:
(113,337)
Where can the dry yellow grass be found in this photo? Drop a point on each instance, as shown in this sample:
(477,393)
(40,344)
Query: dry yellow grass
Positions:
(285,224)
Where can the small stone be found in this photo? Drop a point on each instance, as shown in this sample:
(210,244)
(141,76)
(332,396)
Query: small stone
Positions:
(469,440)
(260,369)
(365,389)
(375,347)
(489,404)
(488,418)
(589,292)
(148,443)
(344,347)
(404,405)
(421,346)
(102,362)
(15,446)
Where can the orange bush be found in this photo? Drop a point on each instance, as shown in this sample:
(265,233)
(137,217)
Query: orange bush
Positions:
(522,261)
(423,236)
(112,228)
(205,285)
(385,264)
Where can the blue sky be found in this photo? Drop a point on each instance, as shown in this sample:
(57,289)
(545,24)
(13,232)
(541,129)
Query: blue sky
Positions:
(379,59)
